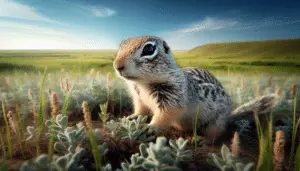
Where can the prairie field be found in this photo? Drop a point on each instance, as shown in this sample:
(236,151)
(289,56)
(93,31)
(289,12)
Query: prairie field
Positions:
(66,110)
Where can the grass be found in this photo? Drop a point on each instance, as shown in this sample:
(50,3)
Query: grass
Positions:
(280,57)
(40,119)
(230,62)
(294,132)
(265,160)
(7,132)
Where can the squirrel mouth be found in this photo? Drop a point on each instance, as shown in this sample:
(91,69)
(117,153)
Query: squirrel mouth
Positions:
(130,77)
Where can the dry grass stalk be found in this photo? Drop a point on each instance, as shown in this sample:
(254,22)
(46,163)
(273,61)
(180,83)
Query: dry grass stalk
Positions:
(108,80)
(31,97)
(293,91)
(62,87)
(235,146)
(86,115)
(12,121)
(243,84)
(54,106)
(278,151)
(30,94)
(67,86)
(270,82)
(98,74)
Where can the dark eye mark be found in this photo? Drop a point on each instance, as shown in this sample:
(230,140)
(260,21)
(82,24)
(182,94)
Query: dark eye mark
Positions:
(149,49)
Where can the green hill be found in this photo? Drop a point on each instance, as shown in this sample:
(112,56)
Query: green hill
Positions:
(269,48)
(266,56)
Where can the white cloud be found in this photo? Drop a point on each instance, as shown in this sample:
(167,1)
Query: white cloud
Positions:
(210,23)
(23,36)
(96,11)
(102,11)
(13,9)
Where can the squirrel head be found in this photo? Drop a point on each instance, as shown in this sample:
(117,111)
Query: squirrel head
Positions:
(145,59)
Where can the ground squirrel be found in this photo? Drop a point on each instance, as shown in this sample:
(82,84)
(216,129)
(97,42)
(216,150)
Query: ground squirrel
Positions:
(173,95)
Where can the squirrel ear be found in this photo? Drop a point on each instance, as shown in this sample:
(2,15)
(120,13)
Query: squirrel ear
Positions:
(166,47)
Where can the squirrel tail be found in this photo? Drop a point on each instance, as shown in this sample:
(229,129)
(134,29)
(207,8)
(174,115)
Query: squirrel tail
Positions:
(260,105)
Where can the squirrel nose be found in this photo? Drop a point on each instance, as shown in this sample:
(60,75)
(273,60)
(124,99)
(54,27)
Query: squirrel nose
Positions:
(120,67)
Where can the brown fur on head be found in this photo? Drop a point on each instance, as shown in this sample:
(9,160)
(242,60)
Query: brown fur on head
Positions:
(145,59)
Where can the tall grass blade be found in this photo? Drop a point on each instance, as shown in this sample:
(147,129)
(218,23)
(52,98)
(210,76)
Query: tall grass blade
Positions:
(7,131)
(51,142)
(66,103)
(96,153)
(294,132)
(3,147)
(265,160)
(40,118)
(19,129)
(297,159)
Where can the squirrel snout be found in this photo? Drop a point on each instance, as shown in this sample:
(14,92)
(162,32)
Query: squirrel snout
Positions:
(119,66)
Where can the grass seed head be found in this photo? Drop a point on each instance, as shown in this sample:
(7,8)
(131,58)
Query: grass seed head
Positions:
(54,105)
(293,91)
(12,122)
(86,115)
(278,150)
(235,146)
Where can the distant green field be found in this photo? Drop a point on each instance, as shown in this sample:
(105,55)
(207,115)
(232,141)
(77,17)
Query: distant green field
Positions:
(276,56)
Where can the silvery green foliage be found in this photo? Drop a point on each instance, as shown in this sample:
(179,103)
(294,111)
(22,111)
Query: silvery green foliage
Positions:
(127,129)
(3,166)
(229,162)
(68,162)
(66,138)
(159,156)
(102,149)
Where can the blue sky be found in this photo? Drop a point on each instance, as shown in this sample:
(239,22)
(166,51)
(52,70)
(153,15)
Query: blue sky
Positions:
(103,24)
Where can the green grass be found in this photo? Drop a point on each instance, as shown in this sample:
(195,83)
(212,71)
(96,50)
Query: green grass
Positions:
(40,119)
(7,131)
(279,56)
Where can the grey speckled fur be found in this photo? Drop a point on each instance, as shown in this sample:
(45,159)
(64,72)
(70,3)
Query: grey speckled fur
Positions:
(172,95)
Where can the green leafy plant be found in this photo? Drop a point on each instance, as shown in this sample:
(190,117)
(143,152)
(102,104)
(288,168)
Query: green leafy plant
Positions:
(68,162)
(229,162)
(104,115)
(127,129)
(160,156)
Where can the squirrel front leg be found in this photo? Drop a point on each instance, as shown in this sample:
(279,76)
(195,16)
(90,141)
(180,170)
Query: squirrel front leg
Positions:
(165,119)
(139,108)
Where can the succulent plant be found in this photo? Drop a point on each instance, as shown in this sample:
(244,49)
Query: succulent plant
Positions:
(127,129)
(66,138)
(159,156)
(68,162)
(229,162)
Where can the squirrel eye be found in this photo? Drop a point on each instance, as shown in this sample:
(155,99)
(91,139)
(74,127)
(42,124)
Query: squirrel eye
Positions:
(148,50)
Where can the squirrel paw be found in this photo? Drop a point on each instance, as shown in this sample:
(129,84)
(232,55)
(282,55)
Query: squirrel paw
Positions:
(151,130)
(133,116)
